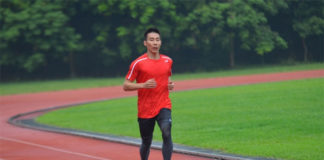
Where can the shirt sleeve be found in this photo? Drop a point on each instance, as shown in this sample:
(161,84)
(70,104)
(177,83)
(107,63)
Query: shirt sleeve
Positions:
(132,72)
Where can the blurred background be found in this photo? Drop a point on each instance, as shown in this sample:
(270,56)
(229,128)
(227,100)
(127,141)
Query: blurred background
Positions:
(57,39)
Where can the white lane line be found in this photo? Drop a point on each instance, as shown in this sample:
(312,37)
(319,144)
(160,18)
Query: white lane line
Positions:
(52,148)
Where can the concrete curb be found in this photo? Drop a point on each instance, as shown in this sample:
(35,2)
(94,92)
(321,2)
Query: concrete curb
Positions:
(27,120)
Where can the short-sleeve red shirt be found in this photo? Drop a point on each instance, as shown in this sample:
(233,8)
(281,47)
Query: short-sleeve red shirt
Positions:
(151,101)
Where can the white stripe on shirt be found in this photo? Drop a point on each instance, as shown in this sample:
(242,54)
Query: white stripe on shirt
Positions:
(130,75)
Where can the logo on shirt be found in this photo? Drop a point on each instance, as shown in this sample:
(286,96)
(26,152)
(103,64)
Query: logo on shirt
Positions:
(166,61)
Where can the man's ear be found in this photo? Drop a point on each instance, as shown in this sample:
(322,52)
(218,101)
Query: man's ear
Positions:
(144,43)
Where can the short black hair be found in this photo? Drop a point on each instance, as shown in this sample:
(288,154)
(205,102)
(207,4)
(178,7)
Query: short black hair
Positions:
(150,30)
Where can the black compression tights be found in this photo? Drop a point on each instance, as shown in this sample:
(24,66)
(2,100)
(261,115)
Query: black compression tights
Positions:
(146,129)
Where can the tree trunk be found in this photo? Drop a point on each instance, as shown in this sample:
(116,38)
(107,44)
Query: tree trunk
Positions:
(305,50)
(232,52)
(72,65)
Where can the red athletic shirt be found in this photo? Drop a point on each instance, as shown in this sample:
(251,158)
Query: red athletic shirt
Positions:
(151,101)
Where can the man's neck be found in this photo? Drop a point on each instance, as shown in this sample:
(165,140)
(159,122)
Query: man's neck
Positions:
(151,55)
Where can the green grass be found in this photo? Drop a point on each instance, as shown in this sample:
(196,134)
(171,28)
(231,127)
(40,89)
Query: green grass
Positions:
(250,70)
(281,120)
(55,85)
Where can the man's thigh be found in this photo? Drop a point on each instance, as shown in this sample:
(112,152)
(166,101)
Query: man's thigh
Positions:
(164,117)
(146,126)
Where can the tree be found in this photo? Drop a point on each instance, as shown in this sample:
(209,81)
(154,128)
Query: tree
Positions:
(32,32)
(308,20)
(98,37)
(132,18)
(235,21)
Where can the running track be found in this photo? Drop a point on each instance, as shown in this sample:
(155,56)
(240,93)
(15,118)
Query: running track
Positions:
(25,144)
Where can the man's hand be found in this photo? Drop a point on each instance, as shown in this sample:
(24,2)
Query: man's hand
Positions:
(170,85)
(151,83)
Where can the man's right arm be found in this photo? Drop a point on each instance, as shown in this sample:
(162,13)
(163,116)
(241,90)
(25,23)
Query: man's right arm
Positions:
(130,86)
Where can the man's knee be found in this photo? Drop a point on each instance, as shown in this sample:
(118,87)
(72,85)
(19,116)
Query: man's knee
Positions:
(166,130)
(147,140)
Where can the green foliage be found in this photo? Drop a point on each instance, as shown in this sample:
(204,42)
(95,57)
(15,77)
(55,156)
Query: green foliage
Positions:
(238,19)
(134,16)
(109,33)
(309,18)
(32,32)
(267,40)
(34,61)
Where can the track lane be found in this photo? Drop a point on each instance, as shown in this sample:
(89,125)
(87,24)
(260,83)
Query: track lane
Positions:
(13,145)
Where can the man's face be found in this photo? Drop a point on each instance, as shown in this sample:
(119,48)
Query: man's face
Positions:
(153,42)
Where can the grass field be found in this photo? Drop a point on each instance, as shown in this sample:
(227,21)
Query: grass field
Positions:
(281,120)
(54,85)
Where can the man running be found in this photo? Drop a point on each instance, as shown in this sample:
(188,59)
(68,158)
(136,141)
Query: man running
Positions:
(152,72)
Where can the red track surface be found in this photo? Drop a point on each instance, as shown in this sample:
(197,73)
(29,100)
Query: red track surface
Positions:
(25,144)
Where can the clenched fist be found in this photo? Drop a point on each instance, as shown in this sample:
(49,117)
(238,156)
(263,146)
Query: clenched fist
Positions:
(151,83)
(170,85)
